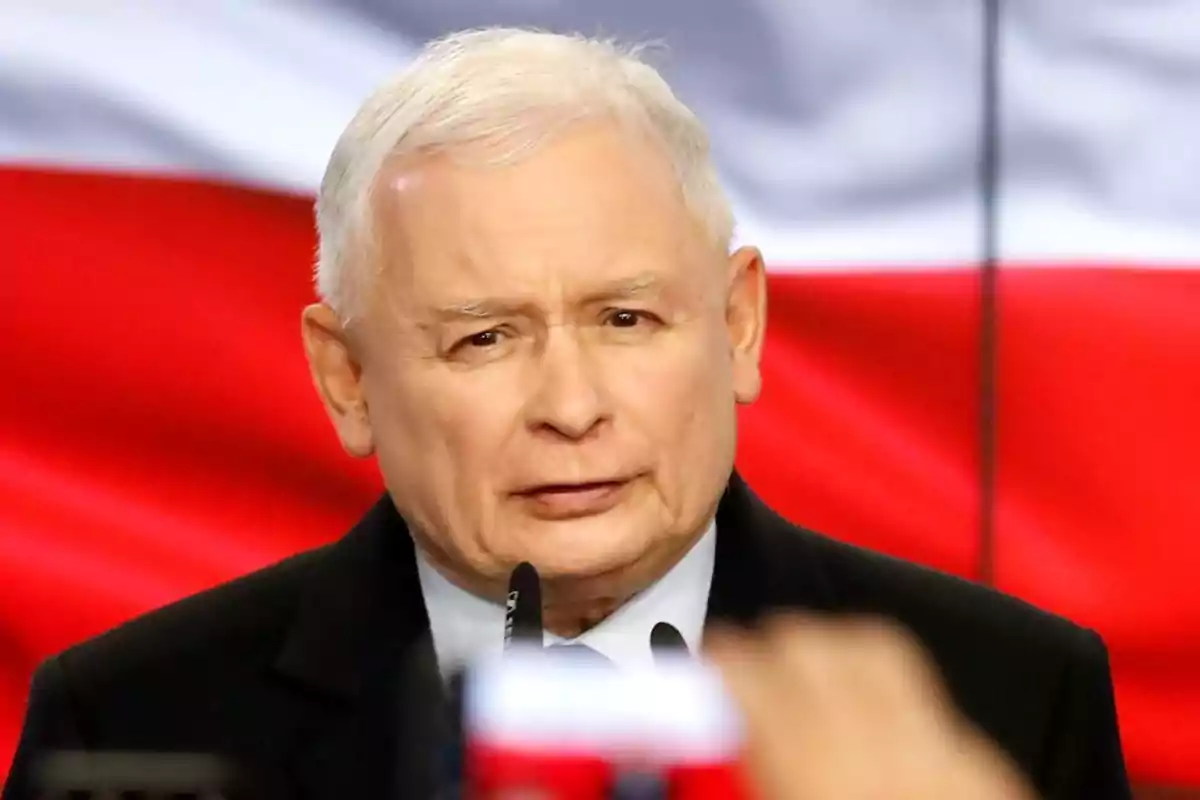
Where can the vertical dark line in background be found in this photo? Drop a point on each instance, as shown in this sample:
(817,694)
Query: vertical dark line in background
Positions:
(989,181)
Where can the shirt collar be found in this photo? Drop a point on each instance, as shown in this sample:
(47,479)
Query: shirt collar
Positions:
(466,627)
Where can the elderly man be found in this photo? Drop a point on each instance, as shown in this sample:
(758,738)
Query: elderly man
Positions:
(532,317)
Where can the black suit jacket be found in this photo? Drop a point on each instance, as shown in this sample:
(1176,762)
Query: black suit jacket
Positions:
(294,669)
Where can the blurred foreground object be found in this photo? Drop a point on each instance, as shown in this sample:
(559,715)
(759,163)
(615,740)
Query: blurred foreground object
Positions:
(577,729)
(855,708)
(74,774)
(807,708)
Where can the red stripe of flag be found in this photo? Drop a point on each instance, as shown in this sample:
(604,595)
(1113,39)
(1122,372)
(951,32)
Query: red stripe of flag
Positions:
(160,432)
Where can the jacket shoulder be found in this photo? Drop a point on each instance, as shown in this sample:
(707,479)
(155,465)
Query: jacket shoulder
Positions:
(241,620)
(1037,683)
(940,605)
(1005,662)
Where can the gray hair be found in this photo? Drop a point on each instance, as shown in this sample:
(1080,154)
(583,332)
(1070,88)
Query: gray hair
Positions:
(507,89)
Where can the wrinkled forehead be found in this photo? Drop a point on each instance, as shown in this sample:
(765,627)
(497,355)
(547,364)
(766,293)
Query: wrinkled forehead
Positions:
(593,207)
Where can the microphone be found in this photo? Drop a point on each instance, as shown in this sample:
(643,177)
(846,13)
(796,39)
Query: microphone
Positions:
(667,642)
(523,608)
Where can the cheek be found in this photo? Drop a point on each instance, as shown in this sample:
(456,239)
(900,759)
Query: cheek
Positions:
(440,451)
(682,399)
(443,429)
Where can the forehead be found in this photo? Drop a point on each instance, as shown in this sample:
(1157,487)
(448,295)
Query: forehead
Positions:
(594,205)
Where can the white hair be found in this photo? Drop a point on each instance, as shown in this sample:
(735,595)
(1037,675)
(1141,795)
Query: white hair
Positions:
(507,89)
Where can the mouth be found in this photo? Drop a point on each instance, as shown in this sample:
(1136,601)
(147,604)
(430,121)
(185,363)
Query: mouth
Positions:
(571,500)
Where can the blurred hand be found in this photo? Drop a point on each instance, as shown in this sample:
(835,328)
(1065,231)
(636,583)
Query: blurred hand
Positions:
(841,710)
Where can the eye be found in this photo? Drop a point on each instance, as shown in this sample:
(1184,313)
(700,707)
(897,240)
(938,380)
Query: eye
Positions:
(481,340)
(628,318)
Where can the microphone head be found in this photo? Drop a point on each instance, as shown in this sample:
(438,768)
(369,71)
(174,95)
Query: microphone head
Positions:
(523,608)
(666,640)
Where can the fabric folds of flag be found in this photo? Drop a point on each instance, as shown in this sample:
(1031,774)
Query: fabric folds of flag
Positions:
(159,434)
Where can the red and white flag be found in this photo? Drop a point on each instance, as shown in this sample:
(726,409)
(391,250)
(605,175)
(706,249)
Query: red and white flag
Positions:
(158,432)
(543,727)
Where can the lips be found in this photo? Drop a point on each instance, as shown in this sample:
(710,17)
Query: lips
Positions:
(571,500)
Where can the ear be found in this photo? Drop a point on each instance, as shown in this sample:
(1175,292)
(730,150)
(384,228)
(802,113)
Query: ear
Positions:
(746,318)
(338,378)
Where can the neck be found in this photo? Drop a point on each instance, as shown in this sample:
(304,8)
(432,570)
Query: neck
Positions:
(569,622)
(571,604)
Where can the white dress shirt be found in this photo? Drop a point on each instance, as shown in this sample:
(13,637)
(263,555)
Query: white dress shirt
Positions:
(466,627)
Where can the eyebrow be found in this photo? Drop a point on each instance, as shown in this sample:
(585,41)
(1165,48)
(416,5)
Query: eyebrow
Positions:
(620,289)
(641,284)
(477,309)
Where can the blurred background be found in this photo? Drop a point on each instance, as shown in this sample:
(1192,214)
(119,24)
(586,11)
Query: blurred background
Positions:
(982,219)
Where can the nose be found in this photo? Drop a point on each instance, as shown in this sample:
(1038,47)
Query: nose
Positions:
(569,399)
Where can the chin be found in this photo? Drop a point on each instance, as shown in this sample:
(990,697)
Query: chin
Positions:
(624,541)
(581,557)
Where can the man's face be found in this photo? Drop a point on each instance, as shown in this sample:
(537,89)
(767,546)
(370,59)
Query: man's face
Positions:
(549,364)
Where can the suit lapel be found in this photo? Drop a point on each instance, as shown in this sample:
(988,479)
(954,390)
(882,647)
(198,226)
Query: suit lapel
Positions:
(359,661)
(763,563)
(359,636)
